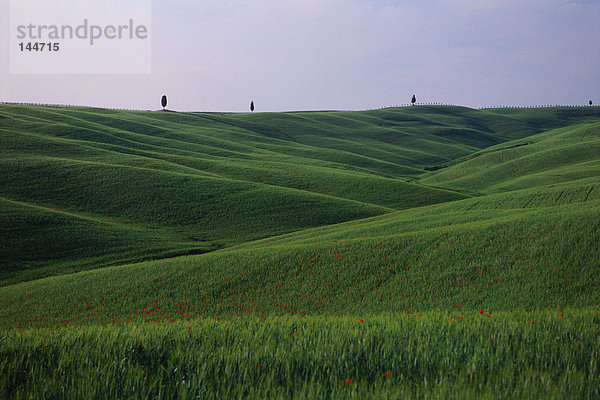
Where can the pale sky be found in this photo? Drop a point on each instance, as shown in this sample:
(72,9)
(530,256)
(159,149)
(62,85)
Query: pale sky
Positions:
(343,55)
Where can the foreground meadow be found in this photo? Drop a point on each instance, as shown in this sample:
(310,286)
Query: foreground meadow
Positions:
(477,354)
(502,307)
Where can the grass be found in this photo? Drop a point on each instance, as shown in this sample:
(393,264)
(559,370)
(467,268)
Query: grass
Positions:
(335,246)
(561,155)
(204,181)
(207,181)
(537,259)
(543,354)
(26,250)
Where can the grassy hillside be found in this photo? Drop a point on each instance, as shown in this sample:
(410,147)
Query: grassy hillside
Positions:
(92,187)
(38,241)
(559,155)
(470,254)
(477,298)
(105,193)
(177,183)
(435,252)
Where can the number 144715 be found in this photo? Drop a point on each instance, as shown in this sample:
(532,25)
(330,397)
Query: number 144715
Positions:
(36,46)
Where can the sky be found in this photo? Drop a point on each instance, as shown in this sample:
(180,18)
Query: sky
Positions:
(340,55)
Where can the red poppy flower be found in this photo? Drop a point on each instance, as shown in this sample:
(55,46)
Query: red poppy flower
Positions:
(387,374)
(348,380)
(481,312)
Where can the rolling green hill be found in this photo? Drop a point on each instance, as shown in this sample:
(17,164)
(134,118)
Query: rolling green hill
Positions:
(87,188)
(178,183)
(559,155)
(411,252)
(499,253)
(84,188)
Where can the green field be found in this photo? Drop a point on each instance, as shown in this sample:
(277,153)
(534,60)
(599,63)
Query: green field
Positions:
(455,249)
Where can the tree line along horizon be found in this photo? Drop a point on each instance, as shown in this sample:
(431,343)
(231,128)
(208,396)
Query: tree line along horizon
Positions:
(413,100)
(163,102)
